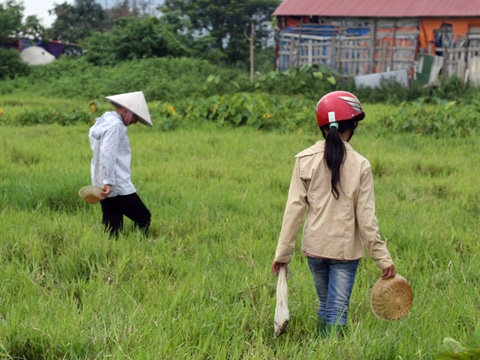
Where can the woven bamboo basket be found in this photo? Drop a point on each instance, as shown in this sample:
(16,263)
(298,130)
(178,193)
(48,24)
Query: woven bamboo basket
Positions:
(391,299)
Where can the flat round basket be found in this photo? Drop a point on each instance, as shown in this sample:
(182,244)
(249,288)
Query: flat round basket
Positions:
(390,299)
(90,194)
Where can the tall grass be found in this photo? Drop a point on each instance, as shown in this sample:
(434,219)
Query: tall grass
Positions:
(199,287)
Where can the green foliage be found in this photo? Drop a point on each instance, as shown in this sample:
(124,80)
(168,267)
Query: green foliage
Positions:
(453,88)
(121,10)
(76,22)
(447,118)
(58,115)
(188,82)
(11,65)
(226,22)
(164,79)
(33,29)
(11,13)
(133,38)
(259,111)
(264,60)
(455,350)
(389,91)
(310,81)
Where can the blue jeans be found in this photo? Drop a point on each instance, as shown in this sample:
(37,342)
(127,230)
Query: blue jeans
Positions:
(333,280)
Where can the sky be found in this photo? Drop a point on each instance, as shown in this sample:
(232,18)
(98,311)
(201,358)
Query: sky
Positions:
(40,8)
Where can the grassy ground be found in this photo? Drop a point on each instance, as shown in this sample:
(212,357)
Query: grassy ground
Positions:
(200,286)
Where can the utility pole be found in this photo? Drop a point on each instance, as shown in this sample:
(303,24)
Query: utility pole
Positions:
(251,38)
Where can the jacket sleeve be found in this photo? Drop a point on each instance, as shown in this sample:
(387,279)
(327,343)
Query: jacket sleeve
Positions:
(108,154)
(293,216)
(367,223)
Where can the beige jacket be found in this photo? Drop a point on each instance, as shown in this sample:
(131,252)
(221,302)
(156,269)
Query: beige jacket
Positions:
(335,229)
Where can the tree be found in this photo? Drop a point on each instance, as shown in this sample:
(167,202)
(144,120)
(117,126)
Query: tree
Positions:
(11,15)
(11,64)
(121,10)
(224,21)
(33,29)
(78,21)
(133,38)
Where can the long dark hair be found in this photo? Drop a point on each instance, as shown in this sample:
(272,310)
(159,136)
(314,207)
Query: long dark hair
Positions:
(335,150)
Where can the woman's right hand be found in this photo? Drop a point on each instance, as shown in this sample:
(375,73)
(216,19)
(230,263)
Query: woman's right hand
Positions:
(389,272)
(276,266)
(106,190)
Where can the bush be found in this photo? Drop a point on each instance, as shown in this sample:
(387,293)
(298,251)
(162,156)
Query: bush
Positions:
(133,38)
(174,79)
(61,116)
(446,118)
(389,91)
(260,111)
(11,65)
(166,79)
(309,81)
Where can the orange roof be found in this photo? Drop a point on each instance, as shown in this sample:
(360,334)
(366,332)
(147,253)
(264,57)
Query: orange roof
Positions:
(379,8)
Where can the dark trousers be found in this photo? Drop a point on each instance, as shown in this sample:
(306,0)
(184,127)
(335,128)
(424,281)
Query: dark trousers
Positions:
(131,206)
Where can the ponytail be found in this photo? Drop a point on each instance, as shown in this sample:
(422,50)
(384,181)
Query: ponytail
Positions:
(334,155)
(335,149)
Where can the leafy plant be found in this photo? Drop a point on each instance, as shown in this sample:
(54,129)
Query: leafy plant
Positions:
(455,350)
(448,118)
(11,65)
(61,116)
(259,111)
(309,81)
(133,38)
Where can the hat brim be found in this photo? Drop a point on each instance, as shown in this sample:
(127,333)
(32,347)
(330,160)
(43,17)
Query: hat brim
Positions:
(140,118)
(90,194)
(134,102)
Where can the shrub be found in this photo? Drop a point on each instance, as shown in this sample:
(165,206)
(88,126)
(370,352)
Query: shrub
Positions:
(166,79)
(310,81)
(61,116)
(260,111)
(11,65)
(133,38)
(449,118)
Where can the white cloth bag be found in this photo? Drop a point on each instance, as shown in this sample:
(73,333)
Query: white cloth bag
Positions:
(282,315)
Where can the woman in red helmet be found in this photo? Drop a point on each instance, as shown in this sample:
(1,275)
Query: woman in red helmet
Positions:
(334,185)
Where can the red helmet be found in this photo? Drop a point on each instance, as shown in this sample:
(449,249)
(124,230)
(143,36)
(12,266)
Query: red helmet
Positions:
(338,106)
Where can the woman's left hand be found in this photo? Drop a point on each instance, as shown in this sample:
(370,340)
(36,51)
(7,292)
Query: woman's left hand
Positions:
(389,272)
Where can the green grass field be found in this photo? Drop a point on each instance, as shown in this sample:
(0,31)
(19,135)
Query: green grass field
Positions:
(200,287)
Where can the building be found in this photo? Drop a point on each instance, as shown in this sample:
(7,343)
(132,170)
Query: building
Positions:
(362,37)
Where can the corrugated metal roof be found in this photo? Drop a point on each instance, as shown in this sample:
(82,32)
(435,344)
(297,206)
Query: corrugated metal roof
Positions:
(379,8)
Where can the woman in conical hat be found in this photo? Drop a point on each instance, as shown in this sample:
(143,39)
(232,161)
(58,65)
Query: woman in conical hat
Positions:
(110,166)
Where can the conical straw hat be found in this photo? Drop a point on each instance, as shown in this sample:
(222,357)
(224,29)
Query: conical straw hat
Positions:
(390,299)
(90,194)
(135,102)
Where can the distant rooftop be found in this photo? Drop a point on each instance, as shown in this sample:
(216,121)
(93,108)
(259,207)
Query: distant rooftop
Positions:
(379,8)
